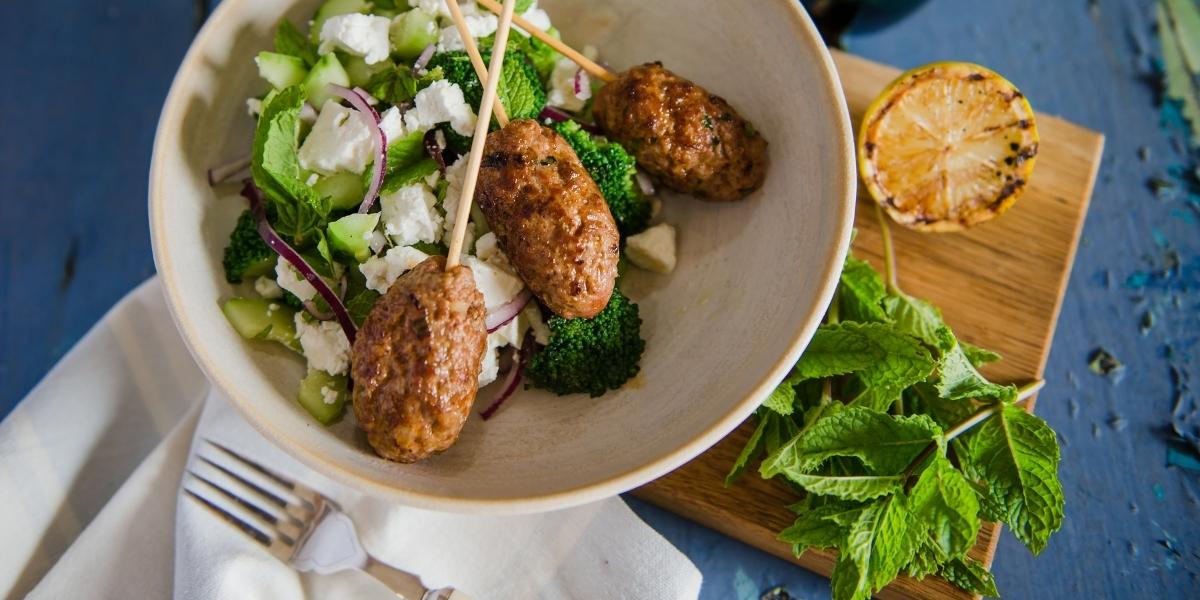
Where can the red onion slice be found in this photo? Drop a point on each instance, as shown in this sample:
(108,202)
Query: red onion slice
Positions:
(558,116)
(310,307)
(512,380)
(423,59)
(359,99)
(222,173)
(583,85)
(507,312)
(258,207)
(435,149)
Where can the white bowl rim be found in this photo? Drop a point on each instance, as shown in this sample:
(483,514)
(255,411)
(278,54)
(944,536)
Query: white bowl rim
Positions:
(167,131)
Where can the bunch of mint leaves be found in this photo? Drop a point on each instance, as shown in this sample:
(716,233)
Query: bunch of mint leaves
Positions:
(900,447)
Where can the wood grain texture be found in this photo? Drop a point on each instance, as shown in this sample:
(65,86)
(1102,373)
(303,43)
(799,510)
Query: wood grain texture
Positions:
(1000,285)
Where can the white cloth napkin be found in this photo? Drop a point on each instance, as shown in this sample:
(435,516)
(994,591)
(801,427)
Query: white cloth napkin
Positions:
(129,387)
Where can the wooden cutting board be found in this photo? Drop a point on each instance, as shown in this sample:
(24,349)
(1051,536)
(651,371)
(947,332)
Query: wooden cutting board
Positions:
(999,285)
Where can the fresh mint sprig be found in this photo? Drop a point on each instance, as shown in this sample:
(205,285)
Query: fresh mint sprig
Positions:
(901,446)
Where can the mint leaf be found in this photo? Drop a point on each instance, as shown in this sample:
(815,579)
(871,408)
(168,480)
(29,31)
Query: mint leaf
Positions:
(919,319)
(861,292)
(947,413)
(1015,456)
(884,358)
(408,174)
(880,542)
(850,487)
(969,575)
(945,502)
(837,350)
(753,448)
(816,529)
(402,154)
(926,560)
(959,379)
(289,41)
(978,356)
(300,210)
(886,444)
(360,305)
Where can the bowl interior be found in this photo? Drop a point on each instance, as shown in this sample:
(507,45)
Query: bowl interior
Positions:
(752,281)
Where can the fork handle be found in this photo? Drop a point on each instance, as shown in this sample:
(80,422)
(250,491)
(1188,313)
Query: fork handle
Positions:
(406,585)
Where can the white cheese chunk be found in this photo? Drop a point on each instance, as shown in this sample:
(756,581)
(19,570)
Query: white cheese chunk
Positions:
(410,215)
(339,141)
(480,26)
(392,124)
(376,240)
(532,317)
(267,288)
(496,285)
(485,246)
(325,345)
(382,271)
(357,34)
(440,102)
(536,17)
(562,86)
(653,249)
(288,278)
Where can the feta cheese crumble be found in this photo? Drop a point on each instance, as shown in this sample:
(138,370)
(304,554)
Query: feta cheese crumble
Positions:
(496,285)
(339,141)
(441,102)
(329,396)
(325,345)
(536,17)
(480,26)
(382,271)
(653,249)
(267,288)
(410,215)
(357,34)
(288,278)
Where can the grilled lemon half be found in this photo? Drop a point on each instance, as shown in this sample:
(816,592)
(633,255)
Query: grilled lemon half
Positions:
(946,146)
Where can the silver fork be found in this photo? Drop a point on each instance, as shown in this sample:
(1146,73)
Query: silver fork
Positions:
(307,531)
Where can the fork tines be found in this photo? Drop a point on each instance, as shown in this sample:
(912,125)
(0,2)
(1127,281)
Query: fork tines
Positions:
(274,521)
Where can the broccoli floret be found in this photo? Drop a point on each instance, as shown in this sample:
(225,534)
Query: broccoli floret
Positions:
(247,255)
(591,355)
(612,168)
(520,88)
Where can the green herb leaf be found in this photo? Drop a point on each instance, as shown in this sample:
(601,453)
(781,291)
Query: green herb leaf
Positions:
(978,356)
(276,169)
(850,487)
(945,502)
(878,544)
(886,444)
(818,527)
(959,379)
(752,450)
(289,41)
(969,575)
(402,155)
(861,293)
(926,560)
(1015,455)
(837,350)
(919,319)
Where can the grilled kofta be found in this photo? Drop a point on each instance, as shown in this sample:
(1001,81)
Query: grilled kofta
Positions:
(415,362)
(691,140)
(549,218)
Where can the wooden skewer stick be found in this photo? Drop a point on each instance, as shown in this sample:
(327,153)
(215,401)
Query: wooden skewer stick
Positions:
(476,59)
(481,131)
(584,62)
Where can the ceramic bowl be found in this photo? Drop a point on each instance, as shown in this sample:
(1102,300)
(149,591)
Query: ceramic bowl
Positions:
(753,278)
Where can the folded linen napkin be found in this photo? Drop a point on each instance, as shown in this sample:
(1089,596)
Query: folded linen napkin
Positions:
(147,531)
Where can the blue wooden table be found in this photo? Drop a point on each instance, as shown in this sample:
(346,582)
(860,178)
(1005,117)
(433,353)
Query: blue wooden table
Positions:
(88,80)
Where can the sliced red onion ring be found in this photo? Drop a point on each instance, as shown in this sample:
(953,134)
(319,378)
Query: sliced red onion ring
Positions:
(222,173)
(258,207)
(506,313)
(512,380)
(583,85)
(359,100)
(424,58)
(644,182)
(558,116)
(435,149)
